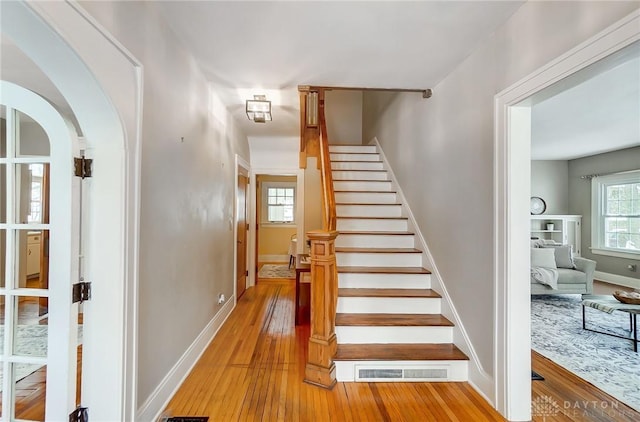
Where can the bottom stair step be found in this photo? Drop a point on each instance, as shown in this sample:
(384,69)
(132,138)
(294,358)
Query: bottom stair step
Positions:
(397,352)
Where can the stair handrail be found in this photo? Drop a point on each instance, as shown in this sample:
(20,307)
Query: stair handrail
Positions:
(328,194)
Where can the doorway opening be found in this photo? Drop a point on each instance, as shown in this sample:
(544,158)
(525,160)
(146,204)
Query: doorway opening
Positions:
(512,213)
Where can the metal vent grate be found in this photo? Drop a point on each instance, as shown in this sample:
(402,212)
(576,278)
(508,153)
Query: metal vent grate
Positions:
(380,373)
(411,373)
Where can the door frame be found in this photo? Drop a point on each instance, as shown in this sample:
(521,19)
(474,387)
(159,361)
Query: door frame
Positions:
(102,82)
(512,187)
(242,168)
(253,211)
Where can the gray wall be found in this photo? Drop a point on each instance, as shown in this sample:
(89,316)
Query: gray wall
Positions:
(187,191)
(580,201)
(550,181)
(442,149)
(344,116)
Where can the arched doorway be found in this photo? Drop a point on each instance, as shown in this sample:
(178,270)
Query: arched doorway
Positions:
(108,113)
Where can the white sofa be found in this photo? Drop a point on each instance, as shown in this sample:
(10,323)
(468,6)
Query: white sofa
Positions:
(575,274)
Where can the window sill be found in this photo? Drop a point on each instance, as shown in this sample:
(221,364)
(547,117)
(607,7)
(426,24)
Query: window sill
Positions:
(616,253)
(278,225)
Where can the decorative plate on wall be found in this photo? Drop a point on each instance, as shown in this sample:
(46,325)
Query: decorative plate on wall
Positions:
(538,206)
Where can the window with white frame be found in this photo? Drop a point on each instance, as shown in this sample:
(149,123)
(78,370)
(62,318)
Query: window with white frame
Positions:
(279,200)
(616,214)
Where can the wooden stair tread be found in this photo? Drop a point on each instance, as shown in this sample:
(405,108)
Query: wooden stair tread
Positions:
(374,170)
(360,180)
(379,250)
(428,351)
(364,191)
(368,203)
(351,152)
(428,293)
(384,270)
(374,218)
(373,233)
(393,320)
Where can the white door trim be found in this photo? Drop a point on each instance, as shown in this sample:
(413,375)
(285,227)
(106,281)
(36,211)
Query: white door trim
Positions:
(299,173)
(512,159)
(102,83)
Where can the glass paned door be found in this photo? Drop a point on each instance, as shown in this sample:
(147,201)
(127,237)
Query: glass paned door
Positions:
(37,328)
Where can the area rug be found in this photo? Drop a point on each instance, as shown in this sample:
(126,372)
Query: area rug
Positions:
(30,340)
(607,362)
(276,271)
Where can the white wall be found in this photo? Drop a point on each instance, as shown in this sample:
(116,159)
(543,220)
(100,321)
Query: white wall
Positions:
(274,152)
(189,142)
(442,150)
(550,181)
(343,111)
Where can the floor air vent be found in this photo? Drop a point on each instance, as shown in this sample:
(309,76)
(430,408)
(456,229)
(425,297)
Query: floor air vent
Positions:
(368,373)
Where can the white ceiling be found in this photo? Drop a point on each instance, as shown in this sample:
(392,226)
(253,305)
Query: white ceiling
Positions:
(378,45)
(247,48)
(593,111)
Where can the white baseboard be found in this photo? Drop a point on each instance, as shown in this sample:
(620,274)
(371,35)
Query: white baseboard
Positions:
(152,408)
(619,280)
(273,258)
(479,378)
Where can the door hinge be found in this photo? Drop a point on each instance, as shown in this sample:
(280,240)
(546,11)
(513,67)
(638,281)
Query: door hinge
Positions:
(247,226)
(246,273)
(81,414)
(81,292)
(83,166)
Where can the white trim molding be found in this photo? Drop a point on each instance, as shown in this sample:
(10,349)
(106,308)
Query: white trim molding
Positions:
(479,378)
(619,280)
(512,157)
(152,408)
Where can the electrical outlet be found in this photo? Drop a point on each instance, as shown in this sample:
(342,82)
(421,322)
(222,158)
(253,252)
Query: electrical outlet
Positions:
(632,267)
(221,299)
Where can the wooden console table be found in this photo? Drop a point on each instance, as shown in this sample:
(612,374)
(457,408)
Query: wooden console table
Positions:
(301,267)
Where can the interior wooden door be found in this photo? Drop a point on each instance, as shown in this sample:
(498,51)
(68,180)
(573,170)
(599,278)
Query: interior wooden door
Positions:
(241,246)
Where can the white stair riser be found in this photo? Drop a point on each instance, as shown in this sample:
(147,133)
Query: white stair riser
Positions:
(383,281)
(354,165)
(458,369)
(360,175)
(367,224)
(403,335)
(353,148)
(386,210)
(375,241)
(366,197)
(365,259)
(354,157)
(360,185)
(389,305)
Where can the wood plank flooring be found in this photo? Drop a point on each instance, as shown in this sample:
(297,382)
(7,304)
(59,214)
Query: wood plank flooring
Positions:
(253,371)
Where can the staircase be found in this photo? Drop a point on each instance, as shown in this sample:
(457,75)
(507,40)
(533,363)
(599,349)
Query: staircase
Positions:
(388,322)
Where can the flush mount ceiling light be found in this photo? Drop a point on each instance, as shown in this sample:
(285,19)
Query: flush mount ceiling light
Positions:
(259,109)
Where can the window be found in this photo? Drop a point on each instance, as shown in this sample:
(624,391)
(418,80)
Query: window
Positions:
(278,202)
(35,202)
(616,214)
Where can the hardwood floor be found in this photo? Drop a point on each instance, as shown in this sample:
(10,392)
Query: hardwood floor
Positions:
(253,371)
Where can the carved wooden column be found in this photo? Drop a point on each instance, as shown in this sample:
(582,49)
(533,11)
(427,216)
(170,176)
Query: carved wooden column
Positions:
(320,369)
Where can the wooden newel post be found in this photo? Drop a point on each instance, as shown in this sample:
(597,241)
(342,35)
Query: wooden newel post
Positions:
(320,369)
